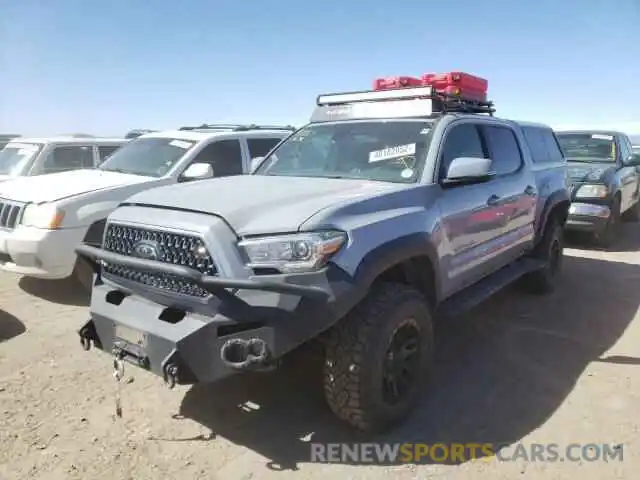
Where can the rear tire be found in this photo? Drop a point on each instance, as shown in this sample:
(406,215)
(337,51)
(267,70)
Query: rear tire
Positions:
(378,358)
(550,251)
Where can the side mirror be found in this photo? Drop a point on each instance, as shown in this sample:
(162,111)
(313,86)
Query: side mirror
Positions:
(197,171)
(468,170)
(254,163)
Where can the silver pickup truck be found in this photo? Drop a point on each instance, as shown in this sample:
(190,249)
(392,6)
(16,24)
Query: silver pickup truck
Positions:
(388,210)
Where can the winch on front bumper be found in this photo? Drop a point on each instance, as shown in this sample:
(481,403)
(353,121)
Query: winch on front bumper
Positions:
(248,324)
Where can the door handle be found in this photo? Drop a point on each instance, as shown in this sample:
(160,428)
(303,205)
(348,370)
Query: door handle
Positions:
(493,200)
(530,190)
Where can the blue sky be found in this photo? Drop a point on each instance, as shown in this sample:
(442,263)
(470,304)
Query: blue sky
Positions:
(104,67)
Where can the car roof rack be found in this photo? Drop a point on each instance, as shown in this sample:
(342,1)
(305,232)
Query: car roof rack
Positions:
(433,102)
(237,127)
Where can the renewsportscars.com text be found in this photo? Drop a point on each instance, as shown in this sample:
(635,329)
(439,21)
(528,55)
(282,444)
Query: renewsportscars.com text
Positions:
(390,453)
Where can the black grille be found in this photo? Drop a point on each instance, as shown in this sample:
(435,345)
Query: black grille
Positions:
(10,213)
(178,249)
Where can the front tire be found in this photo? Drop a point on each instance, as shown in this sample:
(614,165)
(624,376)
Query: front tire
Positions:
(609,233)
(378,358)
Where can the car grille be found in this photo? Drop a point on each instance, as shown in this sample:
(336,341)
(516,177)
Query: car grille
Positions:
(173,248)
(10,213)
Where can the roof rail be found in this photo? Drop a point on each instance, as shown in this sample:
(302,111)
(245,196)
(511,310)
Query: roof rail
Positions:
(238,127)
(440,102)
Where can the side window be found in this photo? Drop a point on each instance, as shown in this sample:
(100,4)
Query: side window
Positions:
(224,156)
(553,146)
(625,149)
(259,147)
(537,145)
(462,141)
(65,158)
(105,150)
(505,151)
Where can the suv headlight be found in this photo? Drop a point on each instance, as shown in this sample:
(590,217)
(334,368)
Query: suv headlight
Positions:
(301,252)
(45,215)
(592,191)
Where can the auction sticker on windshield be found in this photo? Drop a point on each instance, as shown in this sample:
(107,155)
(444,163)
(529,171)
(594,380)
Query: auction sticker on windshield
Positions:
(180,144)
(392,152)
(598,136)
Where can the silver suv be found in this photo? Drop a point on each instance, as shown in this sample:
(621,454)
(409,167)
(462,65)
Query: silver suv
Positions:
(390,208)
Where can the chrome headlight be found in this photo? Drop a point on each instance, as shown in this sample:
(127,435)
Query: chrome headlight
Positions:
(300,252)
(592,191)
(45,215)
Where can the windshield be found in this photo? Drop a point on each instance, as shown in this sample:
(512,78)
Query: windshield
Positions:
(151,157)
(383,150)
(588,147)
(14,156)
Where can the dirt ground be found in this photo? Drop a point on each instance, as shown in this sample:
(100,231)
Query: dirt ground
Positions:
(562,369)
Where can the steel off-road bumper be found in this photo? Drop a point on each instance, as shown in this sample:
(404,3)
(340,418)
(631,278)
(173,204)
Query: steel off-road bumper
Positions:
(247,324)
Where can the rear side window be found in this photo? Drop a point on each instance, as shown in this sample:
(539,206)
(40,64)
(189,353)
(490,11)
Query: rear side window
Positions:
(68,158)
(505,155)
(105,150)
(543,145)
(259,147)
(462,141)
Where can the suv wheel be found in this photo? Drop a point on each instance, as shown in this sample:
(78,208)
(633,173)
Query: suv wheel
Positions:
(378,358)
(83,275)
(550,251)
(633,214)
(605,237)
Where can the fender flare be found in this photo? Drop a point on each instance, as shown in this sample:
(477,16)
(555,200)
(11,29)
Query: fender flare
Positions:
(552,201)
(394,252)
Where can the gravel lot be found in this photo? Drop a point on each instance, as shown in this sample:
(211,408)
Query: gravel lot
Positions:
(563,369)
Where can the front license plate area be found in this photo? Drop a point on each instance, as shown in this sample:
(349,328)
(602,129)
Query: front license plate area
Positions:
(132,341)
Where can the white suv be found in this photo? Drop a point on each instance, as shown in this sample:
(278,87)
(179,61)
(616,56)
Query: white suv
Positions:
(43,218)
(37,156)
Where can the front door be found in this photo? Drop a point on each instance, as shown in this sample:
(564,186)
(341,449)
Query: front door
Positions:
(470,217)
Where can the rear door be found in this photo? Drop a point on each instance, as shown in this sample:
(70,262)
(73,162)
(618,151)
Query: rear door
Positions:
(514,193)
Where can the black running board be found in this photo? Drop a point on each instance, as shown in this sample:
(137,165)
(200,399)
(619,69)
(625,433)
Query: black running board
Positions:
(474,295)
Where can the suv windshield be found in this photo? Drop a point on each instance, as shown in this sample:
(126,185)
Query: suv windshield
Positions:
(588,147)
(14,156)
(383,150)
(151,157)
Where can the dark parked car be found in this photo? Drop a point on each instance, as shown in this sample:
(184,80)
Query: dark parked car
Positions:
(605,181)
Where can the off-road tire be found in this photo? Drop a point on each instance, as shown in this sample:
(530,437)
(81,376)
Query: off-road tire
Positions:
(356,352)
(550,251)
(606,237)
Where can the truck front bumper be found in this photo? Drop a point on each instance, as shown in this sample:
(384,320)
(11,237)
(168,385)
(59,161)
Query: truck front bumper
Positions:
(587,217)
(246,324)
(40,253)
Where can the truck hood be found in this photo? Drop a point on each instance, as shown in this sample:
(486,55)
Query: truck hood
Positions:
(56,186)
(590,172)
(258,204)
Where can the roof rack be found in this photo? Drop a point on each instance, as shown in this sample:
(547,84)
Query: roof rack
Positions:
(238,127)
(441,103)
